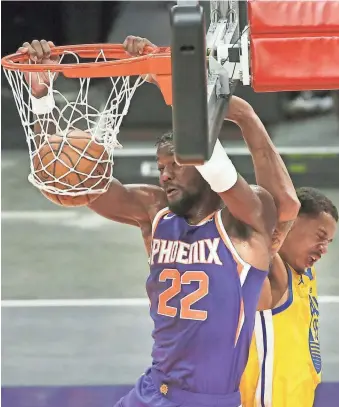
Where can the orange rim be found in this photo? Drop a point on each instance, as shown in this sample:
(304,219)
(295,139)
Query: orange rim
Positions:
(155,61)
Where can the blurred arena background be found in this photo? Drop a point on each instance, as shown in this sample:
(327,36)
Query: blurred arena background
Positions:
(75,324)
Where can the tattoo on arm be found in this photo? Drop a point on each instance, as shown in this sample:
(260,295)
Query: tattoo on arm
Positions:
(280,234)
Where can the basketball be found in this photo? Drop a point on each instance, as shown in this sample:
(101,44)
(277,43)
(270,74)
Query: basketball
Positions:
(77,164)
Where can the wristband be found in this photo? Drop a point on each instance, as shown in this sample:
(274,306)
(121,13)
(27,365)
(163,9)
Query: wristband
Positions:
(219,170)
(43,105)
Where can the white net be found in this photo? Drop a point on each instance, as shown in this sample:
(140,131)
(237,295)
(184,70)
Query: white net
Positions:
(71,148)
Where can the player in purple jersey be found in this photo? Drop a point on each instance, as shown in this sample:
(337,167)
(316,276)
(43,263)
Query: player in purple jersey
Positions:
(208,235)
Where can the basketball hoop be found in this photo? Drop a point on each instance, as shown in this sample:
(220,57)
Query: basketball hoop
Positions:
(80,108)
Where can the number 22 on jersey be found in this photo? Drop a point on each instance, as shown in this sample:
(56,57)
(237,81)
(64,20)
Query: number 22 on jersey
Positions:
(186,312)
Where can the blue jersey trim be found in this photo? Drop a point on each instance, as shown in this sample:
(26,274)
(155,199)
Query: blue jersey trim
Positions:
(308,273)
(263,369)
(289,300)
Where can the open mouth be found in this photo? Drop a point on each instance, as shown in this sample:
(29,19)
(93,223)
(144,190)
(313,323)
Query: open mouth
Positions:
(171,191)
(312,259)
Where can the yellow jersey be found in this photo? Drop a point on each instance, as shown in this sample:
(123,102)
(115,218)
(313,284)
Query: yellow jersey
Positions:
(284,365)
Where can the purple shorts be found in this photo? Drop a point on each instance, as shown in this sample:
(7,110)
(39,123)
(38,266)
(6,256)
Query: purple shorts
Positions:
(151,391)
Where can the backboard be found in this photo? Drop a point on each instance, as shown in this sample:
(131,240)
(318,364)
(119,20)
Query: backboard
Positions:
(201,81)
(254,42)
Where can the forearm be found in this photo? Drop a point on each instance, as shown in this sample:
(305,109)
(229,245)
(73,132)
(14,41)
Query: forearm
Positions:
(45,116)
(270,170)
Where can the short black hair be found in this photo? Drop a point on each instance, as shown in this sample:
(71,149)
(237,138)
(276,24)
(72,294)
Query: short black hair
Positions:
(165,138)
(313,202)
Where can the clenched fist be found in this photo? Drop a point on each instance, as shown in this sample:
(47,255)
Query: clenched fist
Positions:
(39,52)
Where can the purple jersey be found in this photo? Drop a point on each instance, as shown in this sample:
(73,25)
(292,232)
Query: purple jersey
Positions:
(203,299)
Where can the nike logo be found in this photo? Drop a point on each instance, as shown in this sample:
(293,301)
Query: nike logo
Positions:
(169,216)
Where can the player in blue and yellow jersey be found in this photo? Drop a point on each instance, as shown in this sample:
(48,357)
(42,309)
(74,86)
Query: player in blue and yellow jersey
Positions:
(284,366)
(208,234)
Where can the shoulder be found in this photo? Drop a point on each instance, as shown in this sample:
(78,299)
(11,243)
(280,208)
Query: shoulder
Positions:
(265,197)
(268,208)
(152,197)
(268,215)
(146,190)
(130,203)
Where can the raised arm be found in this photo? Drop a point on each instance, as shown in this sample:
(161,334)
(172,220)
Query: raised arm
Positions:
(270,170)
(130,204)
(40,52)
(253,207)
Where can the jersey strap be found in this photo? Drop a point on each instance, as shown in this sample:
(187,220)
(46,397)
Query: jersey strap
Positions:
(157,219)
(264,337)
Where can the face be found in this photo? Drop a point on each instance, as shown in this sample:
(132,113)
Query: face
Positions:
(308,240)
(183,185)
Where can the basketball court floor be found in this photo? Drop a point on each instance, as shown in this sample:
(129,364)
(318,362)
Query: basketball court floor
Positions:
(74,310)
